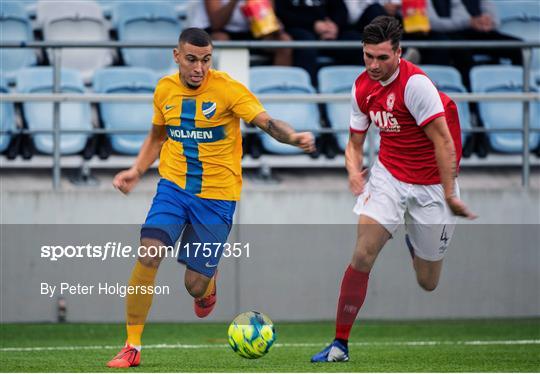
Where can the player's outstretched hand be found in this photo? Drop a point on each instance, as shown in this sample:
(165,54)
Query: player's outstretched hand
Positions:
(304,140)
(459,208)
(357,181)
(126,180)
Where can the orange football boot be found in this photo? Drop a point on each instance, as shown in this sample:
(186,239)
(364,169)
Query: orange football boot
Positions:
(203,306)
(128,356)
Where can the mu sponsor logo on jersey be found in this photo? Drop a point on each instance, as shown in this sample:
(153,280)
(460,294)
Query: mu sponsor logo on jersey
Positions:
(384,119)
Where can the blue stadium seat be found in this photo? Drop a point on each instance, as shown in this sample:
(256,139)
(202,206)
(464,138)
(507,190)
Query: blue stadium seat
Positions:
(148,22)
(288,81)
(536,77)
(496,114)
(106,7)
(126,116)
(180,6)
(15,26)
(7,117)
(521,18)
(39,115)
(183,7)
(448,80)
(340,79)
(517,9)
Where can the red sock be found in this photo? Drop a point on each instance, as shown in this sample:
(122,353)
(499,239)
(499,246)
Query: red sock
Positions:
(352,295)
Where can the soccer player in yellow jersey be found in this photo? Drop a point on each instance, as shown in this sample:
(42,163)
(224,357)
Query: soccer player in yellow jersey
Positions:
(196,135)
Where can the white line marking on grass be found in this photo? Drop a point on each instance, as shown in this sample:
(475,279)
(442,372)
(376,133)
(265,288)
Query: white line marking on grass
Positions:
(279,345)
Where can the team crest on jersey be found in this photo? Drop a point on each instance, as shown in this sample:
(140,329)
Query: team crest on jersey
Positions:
(209,109)
(390,101)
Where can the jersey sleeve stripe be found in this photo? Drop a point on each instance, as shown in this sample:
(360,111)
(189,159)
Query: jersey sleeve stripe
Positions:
(255,114)
(358,131)
(429,119)
(358,120)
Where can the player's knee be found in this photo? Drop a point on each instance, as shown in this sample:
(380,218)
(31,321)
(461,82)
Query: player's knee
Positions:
(147,257)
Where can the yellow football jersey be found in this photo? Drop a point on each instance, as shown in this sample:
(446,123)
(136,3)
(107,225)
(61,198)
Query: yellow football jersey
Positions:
(203,151)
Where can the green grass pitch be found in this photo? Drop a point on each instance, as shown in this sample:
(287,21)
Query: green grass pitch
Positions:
(419,346)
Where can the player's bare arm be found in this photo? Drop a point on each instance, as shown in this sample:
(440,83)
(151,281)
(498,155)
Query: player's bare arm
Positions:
(127,179)
(284,133)
(354,158)
(445,154)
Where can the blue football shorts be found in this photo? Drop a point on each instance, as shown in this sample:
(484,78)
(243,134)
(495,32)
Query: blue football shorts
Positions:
(204,225)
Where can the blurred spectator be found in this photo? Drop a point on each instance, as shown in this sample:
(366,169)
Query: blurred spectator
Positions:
(470,20)
(318,20)
(414,17)
(224,20)
(362,12)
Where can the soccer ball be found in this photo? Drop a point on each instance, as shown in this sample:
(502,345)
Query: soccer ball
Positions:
(251,334)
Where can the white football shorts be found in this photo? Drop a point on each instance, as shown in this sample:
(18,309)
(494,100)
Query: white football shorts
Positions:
(428,220)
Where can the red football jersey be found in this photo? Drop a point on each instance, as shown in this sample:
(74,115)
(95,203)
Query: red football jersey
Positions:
(399,107)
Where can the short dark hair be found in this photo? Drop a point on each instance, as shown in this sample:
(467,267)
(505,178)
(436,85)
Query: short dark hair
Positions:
(195,36)
(381,29)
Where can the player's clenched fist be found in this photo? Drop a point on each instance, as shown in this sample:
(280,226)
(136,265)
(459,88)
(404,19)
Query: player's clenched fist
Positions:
(304,140)
(459,208)
(126,180)
(357,182)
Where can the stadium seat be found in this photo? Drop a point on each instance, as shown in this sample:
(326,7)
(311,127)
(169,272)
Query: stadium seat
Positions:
(496,114)
(517,9)
(126,116)
(15,26)
(184,7)
(286,81)
(148,22)
(521,18)
(181,7)
(106,7)
(76,21)
(339,79)
(30,7)
(7,117)
(39,115)
(448,80)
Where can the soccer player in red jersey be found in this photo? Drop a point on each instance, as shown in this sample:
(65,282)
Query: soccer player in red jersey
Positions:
(412,182)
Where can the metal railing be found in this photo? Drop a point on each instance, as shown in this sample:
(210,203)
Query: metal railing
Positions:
(57,97)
